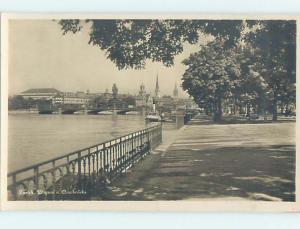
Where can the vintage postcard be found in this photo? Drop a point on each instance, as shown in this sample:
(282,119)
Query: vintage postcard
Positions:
(149,112)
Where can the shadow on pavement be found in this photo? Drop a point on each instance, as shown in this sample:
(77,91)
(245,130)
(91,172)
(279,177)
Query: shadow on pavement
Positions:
(247,173)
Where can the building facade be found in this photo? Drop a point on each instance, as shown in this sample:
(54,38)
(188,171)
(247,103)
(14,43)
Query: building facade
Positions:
(40,93)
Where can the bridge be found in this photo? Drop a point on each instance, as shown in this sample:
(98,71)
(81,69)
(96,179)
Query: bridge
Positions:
(76,174)
(82,111)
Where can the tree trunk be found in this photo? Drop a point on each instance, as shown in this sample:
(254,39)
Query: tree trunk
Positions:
(248,111)
(234,106)
(217,110)
(282,108)
(287,108)
(274,108)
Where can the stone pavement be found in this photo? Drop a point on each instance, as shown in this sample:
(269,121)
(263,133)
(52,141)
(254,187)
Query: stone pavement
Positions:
(212,162)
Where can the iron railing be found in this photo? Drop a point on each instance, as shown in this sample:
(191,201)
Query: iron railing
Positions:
(80,170)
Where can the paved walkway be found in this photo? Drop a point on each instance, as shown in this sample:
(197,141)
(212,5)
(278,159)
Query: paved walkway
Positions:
(213,162)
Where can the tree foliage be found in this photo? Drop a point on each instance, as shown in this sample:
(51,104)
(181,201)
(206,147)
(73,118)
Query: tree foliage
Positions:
(129,43)
(276,42)
(252,62)
(212,74)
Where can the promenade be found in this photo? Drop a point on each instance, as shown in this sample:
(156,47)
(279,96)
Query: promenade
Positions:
(214,162)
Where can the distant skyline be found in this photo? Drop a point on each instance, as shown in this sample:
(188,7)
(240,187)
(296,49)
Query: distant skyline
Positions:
(41,57)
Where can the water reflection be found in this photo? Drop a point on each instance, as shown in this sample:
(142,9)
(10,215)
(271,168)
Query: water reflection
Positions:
(34,138)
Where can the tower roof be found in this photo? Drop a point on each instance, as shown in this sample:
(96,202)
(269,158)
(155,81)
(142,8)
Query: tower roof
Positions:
(142,89)
(157,87)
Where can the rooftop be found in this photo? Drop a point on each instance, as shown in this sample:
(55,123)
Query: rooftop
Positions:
(41,90)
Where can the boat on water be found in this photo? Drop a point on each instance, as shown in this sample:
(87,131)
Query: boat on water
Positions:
(132,113)
(153,117)
(80,112)
(105,113)
(33,111)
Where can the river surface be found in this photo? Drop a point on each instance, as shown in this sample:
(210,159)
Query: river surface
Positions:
(34,138)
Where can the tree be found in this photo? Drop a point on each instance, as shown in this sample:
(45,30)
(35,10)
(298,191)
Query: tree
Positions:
(129,43)
(17,102)
(250,92)
(276,41)
(287,98)
(211,75)
(128,100)
(99,102)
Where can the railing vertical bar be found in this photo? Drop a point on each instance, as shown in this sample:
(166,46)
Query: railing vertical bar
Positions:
(117,156)
(120,154)
(97,159)
(79,169)
(101,159)
(131,158)
(104,160)
(110,157)
(89,162)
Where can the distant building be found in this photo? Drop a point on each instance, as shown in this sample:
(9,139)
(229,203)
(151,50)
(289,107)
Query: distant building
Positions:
(167,103)
(107,95)
(57,100)
(149,103)
(70,98)
(156,98)
(114,91)
(141,98)
(40,93)
(75,99)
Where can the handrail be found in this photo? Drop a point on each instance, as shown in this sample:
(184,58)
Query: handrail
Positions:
(73,153)
(106,159)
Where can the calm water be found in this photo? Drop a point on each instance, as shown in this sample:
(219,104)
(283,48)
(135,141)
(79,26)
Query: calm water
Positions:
(34,138)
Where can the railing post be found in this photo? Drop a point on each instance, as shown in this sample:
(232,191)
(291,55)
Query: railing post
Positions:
(121,156)
(104,160)
(79,169)
(53,180)
(36,178)
(141,144)
(89,162)
(101,169)
(117,156)
(132,149)
(110,159)
(97,160)
(68,165)
(14,187)
(125,153)
(148,140)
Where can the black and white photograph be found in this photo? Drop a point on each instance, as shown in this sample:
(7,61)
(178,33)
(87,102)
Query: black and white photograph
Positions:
(149,110)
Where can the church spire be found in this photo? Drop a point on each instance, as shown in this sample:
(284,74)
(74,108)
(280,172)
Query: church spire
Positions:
(157,87)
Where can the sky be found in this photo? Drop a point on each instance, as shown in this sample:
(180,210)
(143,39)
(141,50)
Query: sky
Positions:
(40,56)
